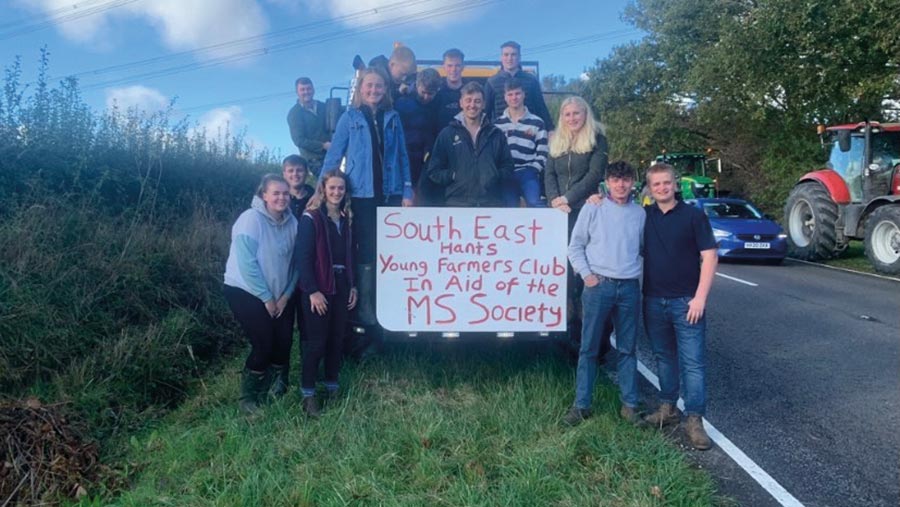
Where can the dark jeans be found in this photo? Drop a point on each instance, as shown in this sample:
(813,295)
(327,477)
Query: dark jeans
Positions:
(364,223)
(526,183)
(270,339)
(324,336)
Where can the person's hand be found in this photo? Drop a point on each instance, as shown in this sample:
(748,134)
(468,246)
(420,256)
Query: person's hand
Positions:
(280,305)
(558,201)
(407,203)
(353,298)
(317,303)
(696,307)
(326,145)
(591,280)
(565,208)
(271,307)
(595,199)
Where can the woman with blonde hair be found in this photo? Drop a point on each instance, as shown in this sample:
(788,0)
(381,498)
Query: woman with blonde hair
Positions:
(325,265)
(577,164)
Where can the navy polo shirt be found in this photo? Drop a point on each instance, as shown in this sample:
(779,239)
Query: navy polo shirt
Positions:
(672,245)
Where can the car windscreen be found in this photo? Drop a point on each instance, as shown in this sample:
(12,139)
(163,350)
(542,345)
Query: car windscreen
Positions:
(730,210)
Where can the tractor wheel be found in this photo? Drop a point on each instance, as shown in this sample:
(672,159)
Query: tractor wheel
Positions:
(809,216)
(883,239)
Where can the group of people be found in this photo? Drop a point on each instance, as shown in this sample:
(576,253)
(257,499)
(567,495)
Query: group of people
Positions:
(413,138)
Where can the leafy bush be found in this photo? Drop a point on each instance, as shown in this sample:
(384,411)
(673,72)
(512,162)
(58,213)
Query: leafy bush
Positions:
(114,230)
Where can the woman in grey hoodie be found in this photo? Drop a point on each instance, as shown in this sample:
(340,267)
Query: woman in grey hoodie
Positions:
(259,279)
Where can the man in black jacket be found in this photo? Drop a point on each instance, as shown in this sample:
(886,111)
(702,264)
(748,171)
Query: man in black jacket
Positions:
(470,158)
(511,67)
(307,123)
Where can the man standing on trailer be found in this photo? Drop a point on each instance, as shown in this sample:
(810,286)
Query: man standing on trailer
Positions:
(494,93)
(447,99)
(306,121)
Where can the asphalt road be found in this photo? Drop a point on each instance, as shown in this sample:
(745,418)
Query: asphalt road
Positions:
(804,377)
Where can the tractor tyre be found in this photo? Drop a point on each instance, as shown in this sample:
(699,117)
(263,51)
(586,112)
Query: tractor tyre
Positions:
(883,239)
(809,218)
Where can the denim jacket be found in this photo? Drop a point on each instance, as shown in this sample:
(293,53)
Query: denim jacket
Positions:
(352,140)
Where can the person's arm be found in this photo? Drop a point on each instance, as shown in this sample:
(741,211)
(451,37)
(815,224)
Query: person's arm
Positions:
(697,305)
(306,255)
(596,170)
(439,170)
(339,143)
(581,236)
(540,105)
(540,150)
(404,164)
(293,121)
(505,163)
(246,245)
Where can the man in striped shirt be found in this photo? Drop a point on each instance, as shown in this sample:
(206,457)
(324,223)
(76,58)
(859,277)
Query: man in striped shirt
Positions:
(527,139)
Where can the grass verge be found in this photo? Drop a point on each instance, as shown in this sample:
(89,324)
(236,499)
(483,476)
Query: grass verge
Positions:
(421,425)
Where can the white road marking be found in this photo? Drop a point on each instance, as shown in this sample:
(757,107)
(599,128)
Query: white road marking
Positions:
(733,278)
(781,495)
(845,270)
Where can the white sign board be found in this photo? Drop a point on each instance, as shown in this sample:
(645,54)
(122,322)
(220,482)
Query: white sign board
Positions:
(471,269)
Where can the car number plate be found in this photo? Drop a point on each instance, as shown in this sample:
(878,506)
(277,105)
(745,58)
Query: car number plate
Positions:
(758,246)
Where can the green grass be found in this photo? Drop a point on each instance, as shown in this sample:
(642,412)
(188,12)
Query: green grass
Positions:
(420,425)
(853,258)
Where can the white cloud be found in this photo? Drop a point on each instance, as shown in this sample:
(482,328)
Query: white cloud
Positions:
(139,97)
(217,122)
(182,24)
(377,11)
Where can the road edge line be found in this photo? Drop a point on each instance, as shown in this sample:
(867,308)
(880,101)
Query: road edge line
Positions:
(845,270)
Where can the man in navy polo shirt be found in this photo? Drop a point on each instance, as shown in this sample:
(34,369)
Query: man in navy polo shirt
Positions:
(679,266)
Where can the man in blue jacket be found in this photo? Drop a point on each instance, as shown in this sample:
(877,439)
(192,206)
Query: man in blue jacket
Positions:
(471,158)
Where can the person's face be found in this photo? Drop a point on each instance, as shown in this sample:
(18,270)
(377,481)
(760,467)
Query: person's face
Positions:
(573,116)
(305,93)
(295,175)
(335,190)
(425,95)
(277,196)
(372,90)
(509,58)
(472,105)
(399,71)
(662,186)
(515,98)
(619,188)
(453,67)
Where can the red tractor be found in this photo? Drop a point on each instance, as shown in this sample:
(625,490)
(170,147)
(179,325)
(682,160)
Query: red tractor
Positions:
(856,196)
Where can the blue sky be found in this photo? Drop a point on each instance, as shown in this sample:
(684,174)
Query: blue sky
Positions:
(235,61)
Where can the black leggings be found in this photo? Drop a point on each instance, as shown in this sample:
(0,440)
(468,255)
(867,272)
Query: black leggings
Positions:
(270,339)
(364,225)
(324,336)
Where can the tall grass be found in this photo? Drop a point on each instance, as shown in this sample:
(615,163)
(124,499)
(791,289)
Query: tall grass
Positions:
(113,236)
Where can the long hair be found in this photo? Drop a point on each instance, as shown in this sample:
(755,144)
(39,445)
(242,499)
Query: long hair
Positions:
(318,199)
(386,102)
(266,180)
(583,141)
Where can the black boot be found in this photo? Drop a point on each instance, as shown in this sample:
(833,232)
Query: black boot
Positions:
(280,379)
(252,383)
(365,287)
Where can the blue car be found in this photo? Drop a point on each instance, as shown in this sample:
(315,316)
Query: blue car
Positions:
(742,231)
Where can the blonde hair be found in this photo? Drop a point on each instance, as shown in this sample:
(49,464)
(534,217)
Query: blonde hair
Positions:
(315,202)
(404,55)
(386,102)
(583,141)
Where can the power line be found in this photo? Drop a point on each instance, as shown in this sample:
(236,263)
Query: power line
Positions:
(49,14)
(276,48)
(247,40)
(64,18)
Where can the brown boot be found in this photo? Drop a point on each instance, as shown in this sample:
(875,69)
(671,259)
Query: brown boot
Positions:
(665,415)
(631,415)
(696,434)
(311,407)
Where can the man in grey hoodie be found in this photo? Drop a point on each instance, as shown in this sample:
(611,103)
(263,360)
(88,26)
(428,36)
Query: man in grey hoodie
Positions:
(605,250)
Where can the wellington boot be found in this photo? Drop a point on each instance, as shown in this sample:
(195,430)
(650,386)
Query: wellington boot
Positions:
(252,382)
(665,415)
(311,406)
(631,415)
(365,287)
(280,380)
(696,434)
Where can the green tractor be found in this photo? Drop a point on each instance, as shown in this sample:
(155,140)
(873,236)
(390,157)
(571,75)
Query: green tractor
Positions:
(691,170)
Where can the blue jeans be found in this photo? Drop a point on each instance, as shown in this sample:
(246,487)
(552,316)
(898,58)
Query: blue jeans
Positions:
(527,183)
(621,299)
(677,344)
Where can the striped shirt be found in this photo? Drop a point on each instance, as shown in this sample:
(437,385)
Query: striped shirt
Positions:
(527,139)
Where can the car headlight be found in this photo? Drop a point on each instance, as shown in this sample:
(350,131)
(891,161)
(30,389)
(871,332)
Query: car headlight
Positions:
(721,234)
(782,236)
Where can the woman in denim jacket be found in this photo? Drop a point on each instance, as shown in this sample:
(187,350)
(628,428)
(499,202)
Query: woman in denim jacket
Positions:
(377,177)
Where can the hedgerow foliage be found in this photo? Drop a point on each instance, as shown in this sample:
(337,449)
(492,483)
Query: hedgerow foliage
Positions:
(113,236)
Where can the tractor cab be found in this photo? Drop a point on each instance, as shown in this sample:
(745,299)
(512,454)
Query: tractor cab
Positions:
(691,169)
(864,157)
